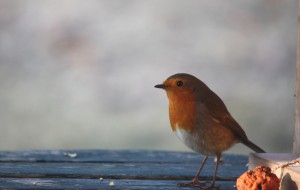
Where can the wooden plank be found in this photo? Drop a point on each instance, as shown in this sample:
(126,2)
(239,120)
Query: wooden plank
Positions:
(290,175)
(296,145)
(133,164)
(111,156)
(226,171)
(61,183)
(128,169)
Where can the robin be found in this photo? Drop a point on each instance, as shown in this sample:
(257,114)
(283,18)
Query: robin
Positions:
(200,119)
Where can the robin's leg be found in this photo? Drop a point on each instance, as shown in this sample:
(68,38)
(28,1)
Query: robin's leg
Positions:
(212,185)
(196,180)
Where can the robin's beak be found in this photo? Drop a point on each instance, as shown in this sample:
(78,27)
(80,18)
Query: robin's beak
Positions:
(160,86)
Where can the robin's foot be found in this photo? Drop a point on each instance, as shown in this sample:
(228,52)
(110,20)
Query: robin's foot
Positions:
(195,183)
(211,187)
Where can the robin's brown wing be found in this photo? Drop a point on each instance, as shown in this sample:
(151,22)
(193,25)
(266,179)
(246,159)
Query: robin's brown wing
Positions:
(217,110)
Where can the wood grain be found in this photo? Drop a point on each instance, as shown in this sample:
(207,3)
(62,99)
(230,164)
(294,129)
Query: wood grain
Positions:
(129,169)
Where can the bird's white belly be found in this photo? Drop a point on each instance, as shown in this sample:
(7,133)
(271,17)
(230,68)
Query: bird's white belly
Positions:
(182,135)
(193,141)
(185,137)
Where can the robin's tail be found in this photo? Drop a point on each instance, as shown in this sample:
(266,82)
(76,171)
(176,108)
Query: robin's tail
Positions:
(253,146)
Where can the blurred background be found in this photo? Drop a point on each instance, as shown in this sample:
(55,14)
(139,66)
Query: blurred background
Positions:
(81,74)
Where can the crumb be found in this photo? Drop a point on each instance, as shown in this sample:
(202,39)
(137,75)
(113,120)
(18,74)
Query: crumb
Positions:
(71,155)
(112,184)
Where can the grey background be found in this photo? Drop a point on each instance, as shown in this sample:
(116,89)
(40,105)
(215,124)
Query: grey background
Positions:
(80,74)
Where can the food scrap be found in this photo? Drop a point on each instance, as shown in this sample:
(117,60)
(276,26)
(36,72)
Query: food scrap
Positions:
(112,184)
(260,178)
(71,155)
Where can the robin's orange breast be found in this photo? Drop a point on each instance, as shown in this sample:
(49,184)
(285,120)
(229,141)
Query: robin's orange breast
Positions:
(198,130)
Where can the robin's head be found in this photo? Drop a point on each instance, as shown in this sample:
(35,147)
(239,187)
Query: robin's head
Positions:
(183,85)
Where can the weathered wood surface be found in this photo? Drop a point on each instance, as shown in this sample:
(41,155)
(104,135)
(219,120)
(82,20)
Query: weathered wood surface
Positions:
(127,169)
(296,145)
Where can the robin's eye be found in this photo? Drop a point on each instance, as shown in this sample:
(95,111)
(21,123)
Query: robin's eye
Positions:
(179,83)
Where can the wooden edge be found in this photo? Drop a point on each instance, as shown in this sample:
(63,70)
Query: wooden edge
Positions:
(289,176)
(296,144)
